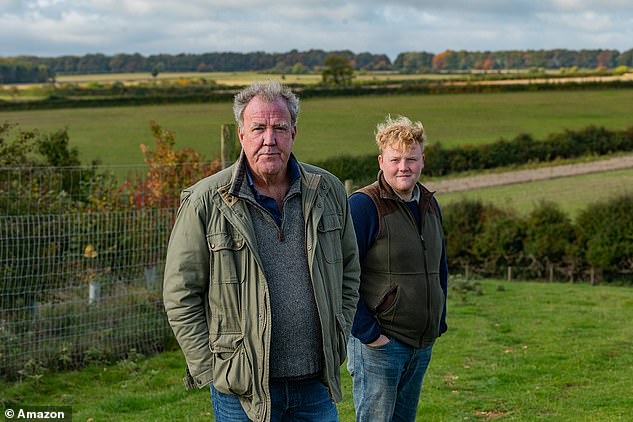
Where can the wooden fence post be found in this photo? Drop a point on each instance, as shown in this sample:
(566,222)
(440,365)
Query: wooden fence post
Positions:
(509,273)
(229,145)
(349,185)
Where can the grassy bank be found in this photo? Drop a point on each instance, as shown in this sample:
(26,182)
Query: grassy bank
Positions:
(333,126)
(516,351)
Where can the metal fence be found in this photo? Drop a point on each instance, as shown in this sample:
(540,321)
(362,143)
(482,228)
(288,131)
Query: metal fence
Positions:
(77,284)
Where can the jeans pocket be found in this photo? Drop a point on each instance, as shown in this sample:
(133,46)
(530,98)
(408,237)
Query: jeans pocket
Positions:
(380,348)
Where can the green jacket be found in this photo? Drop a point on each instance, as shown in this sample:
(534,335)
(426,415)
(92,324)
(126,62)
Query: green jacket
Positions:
(216,294)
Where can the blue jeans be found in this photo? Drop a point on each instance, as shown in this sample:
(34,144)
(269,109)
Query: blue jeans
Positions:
(301,401)
(387,379)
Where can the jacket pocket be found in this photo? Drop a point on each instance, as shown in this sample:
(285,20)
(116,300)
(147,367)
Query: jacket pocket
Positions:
(227,275)
(388,301)
(226,257)
(387,310)
(232,368)
(329,232)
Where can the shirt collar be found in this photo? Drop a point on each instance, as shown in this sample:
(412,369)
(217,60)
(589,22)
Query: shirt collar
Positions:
(415,196)
(293,172)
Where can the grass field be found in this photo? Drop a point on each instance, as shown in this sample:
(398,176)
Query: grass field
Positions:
(519,351)
(572,194)
(334,126)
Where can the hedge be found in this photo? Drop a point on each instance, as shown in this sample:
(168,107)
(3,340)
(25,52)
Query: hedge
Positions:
(522,149)
(487,240)
(118,94)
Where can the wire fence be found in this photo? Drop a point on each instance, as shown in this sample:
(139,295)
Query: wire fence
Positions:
(78,283)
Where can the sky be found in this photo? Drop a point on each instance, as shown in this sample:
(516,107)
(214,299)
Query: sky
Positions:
(54,28)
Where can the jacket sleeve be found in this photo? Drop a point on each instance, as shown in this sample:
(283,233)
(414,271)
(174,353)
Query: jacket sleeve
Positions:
(184,290)
(443,277)
(351,267)
(365,216)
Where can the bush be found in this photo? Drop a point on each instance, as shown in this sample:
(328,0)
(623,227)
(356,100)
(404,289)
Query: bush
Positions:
(500,242)
(361,169)
(463,223)
(605,234)
(550,239)
(488,239)
(169,172)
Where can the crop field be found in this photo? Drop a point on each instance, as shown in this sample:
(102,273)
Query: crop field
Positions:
(335,126)
(34,91)
(238,78)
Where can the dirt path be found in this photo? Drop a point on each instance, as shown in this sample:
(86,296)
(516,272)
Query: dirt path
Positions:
(520,176)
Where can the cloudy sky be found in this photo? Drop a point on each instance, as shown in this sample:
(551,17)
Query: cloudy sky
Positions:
(78,27)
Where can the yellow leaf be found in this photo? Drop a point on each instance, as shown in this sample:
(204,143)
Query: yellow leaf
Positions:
(90,251)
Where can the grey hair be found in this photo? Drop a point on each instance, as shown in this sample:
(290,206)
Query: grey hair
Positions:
(268,91)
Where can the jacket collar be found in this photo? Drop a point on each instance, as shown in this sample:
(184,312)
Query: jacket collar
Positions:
(242,178)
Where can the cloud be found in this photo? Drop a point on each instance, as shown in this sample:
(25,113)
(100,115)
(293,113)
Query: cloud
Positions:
(59,27)
(587,21)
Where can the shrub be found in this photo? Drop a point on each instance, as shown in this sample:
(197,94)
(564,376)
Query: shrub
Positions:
(362,169)
(500,242)
(550,239)
(605,234)
(463,222)
(169,172)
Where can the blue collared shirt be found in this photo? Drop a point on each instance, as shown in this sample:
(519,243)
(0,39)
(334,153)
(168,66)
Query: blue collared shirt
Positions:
(268,203)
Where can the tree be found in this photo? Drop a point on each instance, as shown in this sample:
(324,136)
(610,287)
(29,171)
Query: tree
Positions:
(413,61)
(339,71)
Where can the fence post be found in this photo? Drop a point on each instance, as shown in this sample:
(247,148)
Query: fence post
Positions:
(349,185)
(151,277)
(94,292)
(593,276)
(229,145)
(551,273)
(466,272)
(509,273)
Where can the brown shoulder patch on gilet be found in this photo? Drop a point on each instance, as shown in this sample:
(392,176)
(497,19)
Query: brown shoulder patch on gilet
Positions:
(383,206)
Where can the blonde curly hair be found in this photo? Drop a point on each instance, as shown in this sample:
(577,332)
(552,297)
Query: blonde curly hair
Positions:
(399,133)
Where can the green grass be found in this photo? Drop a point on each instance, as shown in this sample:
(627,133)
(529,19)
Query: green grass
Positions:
(520,351)
(333,126)
(572,194)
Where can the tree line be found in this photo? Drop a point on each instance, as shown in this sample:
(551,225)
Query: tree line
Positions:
(33,69)
(12,72)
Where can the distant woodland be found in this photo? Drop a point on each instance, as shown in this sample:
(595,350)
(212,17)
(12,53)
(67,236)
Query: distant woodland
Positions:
(23,69)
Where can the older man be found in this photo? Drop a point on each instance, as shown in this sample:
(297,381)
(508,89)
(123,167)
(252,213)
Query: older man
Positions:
(262,273)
